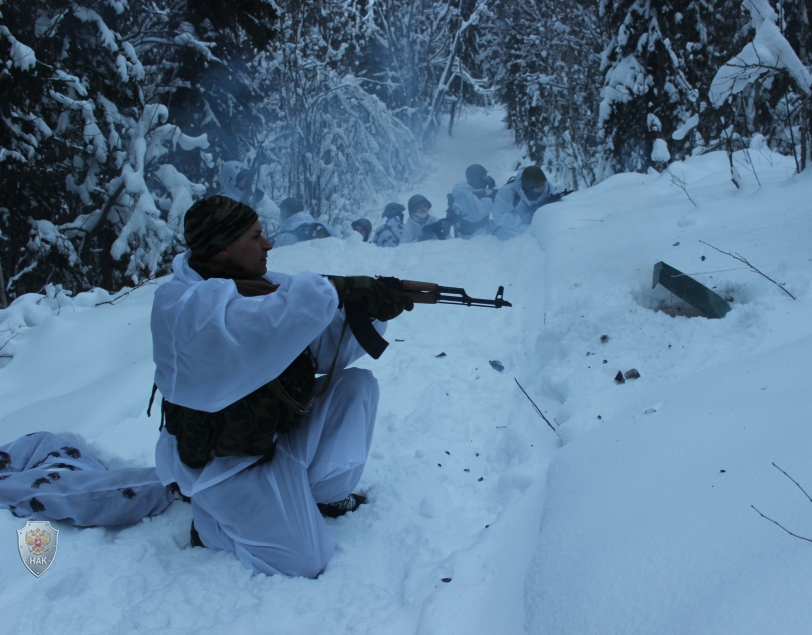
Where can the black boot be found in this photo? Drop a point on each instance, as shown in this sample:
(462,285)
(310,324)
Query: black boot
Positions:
(339,508)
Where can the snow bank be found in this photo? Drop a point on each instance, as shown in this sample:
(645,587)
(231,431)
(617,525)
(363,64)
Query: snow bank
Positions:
(647,525)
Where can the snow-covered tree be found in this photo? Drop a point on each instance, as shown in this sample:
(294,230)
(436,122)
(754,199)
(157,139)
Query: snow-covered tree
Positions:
(662,93)
(328,140)
(766,70)
(327,97)
(224,97)
(423,57)
(549,82)
(656,71)
(86,146)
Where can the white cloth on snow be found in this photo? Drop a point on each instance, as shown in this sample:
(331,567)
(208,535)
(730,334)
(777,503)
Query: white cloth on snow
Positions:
(50,478)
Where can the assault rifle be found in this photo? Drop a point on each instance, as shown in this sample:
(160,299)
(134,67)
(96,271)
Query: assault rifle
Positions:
(538,204)
(419,293)
(557,197)
(440,228)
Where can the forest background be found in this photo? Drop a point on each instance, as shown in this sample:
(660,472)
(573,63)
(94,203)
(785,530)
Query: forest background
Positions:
(115,115)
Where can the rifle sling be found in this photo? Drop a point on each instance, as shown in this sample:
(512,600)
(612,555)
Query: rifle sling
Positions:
(279,391)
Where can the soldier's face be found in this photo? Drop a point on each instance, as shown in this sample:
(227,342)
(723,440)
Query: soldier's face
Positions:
(249,251)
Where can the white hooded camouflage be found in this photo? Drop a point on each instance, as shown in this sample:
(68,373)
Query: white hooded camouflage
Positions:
(472,209)
(228,181)
(513,210)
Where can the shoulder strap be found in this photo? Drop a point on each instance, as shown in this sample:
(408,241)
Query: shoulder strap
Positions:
(152,399)
(149,407)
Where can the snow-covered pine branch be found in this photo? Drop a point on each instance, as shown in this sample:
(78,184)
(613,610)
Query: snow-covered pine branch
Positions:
(769,52)
(74,133)
(768,55)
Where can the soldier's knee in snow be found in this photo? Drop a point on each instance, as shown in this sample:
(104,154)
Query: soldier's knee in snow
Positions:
(360,379)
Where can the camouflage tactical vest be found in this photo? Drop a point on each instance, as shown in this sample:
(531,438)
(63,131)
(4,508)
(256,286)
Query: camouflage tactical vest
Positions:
(249,425)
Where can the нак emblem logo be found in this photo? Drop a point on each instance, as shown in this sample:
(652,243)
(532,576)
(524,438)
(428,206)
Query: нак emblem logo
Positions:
(37,542)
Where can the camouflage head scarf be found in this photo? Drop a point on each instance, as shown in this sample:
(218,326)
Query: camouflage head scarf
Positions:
(213,223)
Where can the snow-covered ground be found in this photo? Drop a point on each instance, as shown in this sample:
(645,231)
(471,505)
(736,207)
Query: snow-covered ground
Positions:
(633,516)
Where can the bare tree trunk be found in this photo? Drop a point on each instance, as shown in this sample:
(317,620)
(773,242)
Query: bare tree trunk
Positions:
(571,117)
(105,212)
(451,117)
(804,131)
(792,134)
(805,128)
(442,85)
(456,104)
(3,299)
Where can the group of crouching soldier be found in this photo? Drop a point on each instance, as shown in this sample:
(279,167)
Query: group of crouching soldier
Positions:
(475,207)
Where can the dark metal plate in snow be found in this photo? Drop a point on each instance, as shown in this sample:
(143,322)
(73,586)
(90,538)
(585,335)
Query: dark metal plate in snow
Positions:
(694,293)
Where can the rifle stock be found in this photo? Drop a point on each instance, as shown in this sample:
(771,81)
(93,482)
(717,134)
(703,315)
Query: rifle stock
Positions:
(419,293)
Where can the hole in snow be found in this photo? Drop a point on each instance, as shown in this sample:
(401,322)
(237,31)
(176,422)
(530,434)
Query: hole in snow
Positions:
(661,299)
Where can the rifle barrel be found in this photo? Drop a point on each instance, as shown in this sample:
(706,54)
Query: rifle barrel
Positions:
(498,303)
(438,297)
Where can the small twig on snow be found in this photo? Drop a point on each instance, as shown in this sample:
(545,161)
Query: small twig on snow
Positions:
(780,525)
(748,163)
(808,497)
(7,341)
(680,183)
(3,298)
(794,481)
(538,410)
(118,298)
(745,261)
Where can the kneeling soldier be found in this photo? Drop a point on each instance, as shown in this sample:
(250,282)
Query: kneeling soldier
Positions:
(262,446)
